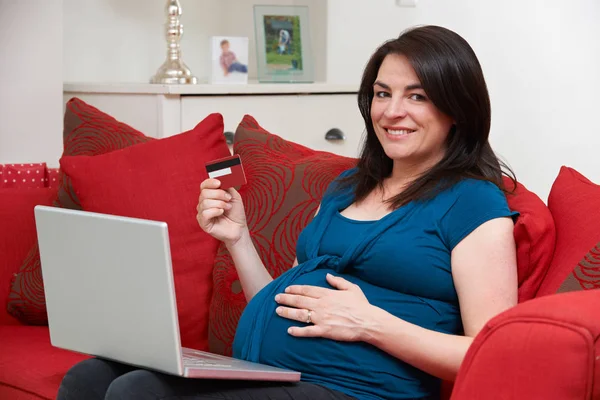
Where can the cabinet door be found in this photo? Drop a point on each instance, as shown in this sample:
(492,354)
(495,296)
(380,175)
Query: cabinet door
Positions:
(303,119)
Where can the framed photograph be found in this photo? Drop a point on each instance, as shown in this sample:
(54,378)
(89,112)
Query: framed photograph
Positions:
(229,59)
(283,44)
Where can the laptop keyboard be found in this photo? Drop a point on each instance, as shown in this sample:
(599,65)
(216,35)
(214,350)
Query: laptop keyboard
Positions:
(190,361)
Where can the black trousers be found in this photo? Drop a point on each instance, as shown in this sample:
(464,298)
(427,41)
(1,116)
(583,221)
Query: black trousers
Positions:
(100,379)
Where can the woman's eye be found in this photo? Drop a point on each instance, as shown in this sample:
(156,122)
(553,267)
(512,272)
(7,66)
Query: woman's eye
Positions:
(381,94)
(417,97)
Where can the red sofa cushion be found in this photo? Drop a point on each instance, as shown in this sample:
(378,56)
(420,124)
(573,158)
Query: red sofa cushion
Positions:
(17,235)
(23,175)
(87,131)
(285,183)
(574,202)
(535,237)
(545,348)
(160,180)
(30,368)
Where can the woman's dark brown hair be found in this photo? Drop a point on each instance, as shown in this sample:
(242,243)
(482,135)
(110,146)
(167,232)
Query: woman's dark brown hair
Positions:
(451,76)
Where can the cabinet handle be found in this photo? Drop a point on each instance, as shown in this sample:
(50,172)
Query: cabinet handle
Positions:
(229,137)
(334,134)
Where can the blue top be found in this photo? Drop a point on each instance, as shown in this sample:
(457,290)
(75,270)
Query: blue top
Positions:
(402,264)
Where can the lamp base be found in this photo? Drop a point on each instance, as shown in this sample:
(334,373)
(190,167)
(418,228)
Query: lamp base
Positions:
(174,72)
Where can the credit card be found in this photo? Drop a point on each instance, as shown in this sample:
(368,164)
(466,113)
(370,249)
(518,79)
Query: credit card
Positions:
(228,170)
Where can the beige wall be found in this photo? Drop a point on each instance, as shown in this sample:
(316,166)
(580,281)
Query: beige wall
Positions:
(30,81)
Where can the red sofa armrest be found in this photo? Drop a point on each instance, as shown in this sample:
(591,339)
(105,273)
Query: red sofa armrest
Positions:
(545,348)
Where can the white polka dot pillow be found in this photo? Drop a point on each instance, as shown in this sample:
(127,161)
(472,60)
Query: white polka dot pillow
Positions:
(52,177)
(23,175)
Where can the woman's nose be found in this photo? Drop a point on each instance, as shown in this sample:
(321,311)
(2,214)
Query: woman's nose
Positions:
(395,109)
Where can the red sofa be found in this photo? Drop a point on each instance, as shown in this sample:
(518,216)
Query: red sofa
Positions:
(546,347)
(30,368)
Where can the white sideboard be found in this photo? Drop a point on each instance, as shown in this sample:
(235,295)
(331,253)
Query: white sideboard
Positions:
(302,113)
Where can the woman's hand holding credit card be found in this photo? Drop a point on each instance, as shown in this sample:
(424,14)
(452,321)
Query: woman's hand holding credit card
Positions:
(228,170)
(220,209)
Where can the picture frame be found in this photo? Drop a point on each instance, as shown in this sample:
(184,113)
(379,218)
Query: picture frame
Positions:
(283,44)
(229,60)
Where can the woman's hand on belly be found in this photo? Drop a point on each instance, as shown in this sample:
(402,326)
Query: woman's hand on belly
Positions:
(341,313)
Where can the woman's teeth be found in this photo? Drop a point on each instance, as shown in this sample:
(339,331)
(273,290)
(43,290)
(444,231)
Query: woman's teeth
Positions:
(399,132)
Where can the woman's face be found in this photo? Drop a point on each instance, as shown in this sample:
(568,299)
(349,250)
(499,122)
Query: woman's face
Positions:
(410,128)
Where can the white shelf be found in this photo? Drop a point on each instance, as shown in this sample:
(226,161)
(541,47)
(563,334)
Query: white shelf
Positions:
(208,89)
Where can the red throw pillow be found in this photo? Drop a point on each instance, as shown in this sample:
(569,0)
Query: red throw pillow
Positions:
(17,235)
(23,175)
(574,202)
(285,184)
(87,131)
(535,236)
(160,181)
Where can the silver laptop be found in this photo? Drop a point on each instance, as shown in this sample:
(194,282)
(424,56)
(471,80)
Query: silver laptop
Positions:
(110,293)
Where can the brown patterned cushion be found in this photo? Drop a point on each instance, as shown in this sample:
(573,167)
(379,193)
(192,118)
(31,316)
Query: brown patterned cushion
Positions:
(285,184)
(87,131)
(586,274)
(574,202)
(17,234)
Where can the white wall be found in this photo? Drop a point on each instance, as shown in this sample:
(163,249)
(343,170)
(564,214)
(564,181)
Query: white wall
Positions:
(124,41)
(30,81)
(541,60)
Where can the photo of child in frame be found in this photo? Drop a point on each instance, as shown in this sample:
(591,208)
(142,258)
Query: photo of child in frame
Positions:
(229,59)
(283,42)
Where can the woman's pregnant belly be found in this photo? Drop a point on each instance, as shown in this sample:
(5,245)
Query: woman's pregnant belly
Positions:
(354,365)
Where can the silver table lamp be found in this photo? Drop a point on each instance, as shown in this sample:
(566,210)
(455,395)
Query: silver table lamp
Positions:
(173,70)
